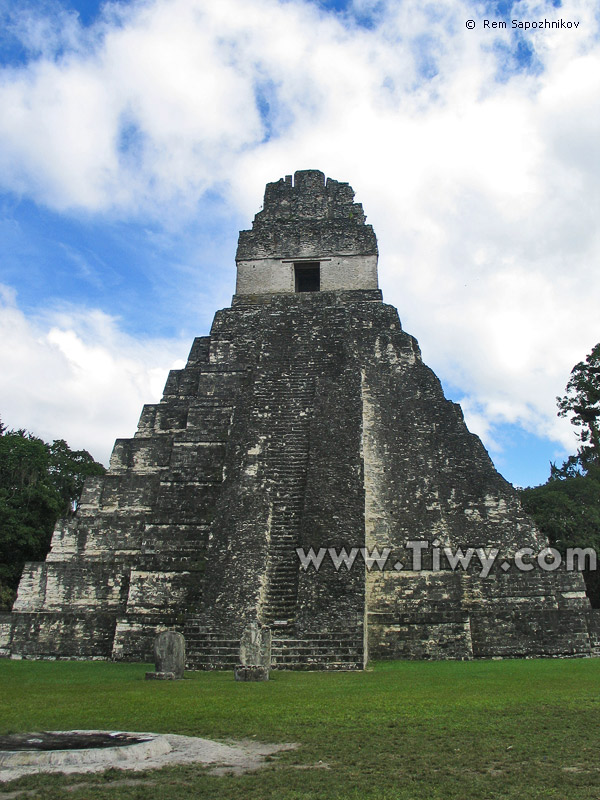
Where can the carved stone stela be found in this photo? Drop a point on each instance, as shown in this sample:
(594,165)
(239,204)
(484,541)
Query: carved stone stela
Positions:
(255,654)
(169,657)
(306,419)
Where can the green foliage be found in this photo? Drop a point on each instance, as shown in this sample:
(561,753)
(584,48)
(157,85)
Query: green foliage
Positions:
(567,507)
(39,483)
(582,403)
(567,510)
(68,470)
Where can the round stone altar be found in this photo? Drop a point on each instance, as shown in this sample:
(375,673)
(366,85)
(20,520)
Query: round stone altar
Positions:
(94,751)
(80,748)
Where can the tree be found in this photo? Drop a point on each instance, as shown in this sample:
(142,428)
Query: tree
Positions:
(567,511)
(567,507)
(582,401)
(68,470)
(39,483)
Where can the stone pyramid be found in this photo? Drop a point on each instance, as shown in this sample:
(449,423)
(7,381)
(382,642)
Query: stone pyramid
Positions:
(306,419)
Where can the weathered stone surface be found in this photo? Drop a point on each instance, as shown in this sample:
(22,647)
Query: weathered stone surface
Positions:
(306,221)
(255,646)
(308,217)
(63,634)
(306,419)
(169,656)
(5,634)
(593,623)
(162,676)
(245,673)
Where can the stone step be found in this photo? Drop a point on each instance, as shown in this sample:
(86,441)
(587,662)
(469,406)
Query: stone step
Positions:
(280,579)
(211,640)
(279,614)
(316,639)
(278,609)
(317,665)
(304,649)
(281,545)
(198,649)
(294,656)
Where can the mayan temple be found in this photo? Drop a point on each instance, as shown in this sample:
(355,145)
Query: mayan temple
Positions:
(306,419)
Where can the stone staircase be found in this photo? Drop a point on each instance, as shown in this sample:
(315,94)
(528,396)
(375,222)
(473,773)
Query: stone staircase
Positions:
(292,397)
(335,650)
(282,406)
(331,650)
(206,649)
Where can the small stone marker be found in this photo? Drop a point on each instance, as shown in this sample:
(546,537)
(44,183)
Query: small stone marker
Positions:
(169,657)
(255,654)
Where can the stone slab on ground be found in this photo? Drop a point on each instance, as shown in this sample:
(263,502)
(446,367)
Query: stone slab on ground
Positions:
(156,751)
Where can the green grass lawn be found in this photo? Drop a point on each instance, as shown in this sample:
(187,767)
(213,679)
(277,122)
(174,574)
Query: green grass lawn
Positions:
(401,731)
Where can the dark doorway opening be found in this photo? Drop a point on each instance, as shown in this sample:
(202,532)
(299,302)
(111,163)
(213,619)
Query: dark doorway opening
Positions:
(308,276)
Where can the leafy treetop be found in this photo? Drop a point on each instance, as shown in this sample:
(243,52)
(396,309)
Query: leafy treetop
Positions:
(582,402)
(39,483)
(567,507)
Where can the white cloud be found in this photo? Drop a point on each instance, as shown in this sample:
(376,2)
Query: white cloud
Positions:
(483,192)
(74,375)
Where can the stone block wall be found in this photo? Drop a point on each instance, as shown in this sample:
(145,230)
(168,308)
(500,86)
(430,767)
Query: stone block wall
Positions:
(134,556)
(6,622)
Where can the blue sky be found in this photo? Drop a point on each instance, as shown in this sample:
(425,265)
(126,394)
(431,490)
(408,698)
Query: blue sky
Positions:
(136,139)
